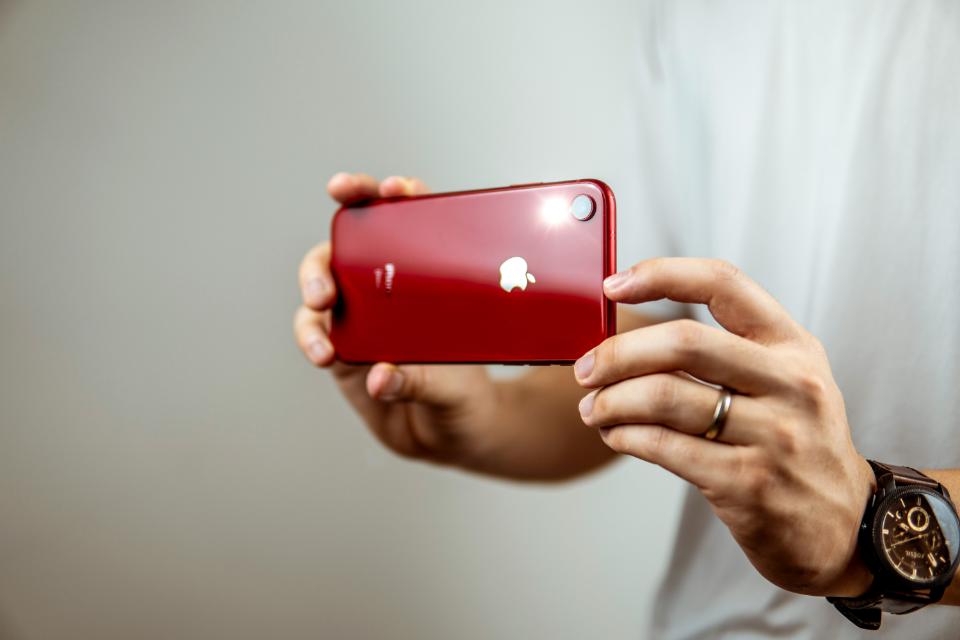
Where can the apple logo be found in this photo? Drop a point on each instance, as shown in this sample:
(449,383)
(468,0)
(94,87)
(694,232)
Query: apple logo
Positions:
(513,274)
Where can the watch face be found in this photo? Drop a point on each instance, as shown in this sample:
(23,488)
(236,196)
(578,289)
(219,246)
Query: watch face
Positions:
(918,533)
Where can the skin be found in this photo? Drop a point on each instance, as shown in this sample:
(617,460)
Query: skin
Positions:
(784,476)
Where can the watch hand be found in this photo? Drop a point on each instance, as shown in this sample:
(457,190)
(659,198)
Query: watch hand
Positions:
(922,535)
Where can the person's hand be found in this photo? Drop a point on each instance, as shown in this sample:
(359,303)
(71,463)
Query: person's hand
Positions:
(433,413)
(783,474)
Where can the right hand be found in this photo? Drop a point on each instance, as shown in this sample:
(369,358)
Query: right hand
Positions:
(438,413)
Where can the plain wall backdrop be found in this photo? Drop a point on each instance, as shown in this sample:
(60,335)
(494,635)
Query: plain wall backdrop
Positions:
(170,466)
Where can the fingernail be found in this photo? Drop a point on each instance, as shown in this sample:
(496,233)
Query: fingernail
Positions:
(584,366)
(319,351)
(615,281)
(392,388)
(315,289)
(586,404)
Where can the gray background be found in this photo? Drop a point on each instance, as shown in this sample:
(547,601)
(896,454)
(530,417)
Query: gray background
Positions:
(170,467)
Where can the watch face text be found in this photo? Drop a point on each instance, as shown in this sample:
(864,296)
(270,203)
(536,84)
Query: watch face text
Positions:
(915,544)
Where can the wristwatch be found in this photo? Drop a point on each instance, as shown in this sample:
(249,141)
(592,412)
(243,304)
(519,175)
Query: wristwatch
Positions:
(910,540)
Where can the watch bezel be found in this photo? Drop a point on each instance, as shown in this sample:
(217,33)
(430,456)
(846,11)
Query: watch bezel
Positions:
(880,558)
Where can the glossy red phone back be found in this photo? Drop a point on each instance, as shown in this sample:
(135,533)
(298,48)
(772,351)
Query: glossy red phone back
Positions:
(503,275)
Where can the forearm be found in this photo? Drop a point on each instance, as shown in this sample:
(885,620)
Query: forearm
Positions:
(950,478)
(537,433)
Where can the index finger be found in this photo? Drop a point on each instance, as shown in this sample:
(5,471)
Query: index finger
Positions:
(738,303)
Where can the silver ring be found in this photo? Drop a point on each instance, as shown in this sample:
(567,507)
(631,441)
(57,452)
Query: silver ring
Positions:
(719,414)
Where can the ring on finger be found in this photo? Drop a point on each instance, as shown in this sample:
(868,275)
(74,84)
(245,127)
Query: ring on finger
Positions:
(720,413)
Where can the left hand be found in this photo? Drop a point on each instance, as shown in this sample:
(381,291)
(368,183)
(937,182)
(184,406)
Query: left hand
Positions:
(783,475)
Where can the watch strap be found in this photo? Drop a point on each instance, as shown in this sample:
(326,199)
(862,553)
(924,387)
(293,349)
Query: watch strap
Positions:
(865,610)
(866,617)
(902,476)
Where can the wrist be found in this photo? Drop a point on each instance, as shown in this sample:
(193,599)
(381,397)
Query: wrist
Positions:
(477,440)
(857,578)
(530,430)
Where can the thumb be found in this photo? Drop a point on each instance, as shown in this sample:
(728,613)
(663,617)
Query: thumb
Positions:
(417,383)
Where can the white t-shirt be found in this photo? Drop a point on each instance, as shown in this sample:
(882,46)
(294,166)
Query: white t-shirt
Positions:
(816,144)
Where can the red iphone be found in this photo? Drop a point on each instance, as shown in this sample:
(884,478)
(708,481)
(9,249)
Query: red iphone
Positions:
(511,275)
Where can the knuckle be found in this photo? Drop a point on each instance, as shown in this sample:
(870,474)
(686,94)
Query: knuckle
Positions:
(656,444)
(651,264)
(616,439)
(608,355)
(785,437)
(649,270)
(662,394)
(601,406)
(740,472)
(748,471)
(683,448)
(415,380)
(812,387)
(764,480)
(724,270)
(687,336)
(758,481)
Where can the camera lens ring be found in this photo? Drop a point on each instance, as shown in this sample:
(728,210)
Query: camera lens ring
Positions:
(582,207)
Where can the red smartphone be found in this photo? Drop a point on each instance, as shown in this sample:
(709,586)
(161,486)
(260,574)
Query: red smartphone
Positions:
(511,275)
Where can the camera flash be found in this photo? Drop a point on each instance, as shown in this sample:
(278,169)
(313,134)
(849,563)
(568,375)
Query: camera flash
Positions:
(553,211)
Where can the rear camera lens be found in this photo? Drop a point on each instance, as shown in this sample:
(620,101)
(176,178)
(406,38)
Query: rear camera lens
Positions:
(582,207)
